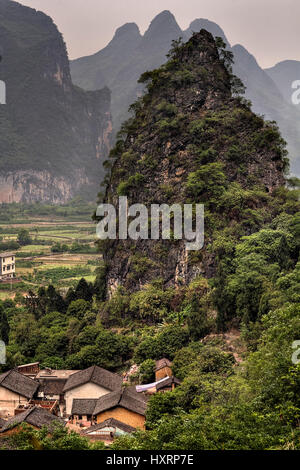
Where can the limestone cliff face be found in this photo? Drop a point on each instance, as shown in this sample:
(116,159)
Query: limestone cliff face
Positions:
(54,136)
(35,186)
(192,140)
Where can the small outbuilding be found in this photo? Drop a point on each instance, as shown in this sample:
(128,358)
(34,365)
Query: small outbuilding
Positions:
(163,368)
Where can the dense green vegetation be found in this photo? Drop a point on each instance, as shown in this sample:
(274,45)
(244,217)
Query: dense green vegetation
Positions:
(60,439)
(221,404)
(76,209)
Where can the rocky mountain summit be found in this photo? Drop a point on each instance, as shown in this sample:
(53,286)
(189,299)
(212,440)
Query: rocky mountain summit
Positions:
(192,139)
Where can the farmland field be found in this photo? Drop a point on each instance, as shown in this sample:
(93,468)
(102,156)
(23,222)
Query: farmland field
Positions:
(60,252)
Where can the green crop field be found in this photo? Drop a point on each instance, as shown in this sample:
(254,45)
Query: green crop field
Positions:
(60,253)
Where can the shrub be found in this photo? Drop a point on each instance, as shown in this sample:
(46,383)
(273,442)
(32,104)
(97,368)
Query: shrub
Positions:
(147,371)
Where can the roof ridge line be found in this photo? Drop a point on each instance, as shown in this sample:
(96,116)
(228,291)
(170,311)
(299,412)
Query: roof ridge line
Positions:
(92,373)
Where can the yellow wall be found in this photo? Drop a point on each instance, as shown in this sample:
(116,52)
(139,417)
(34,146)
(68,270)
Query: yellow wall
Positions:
(162,373)
(123,415)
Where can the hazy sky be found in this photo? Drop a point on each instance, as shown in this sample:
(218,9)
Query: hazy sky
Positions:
(269,29)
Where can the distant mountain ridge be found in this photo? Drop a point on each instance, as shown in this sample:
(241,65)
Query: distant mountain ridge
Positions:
(54,136)
(283,75)
(129,54)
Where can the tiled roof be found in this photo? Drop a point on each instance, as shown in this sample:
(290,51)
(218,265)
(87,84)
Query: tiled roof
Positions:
(18,383)
(7,254)
(28,365)
(51,386)
(96,375)
(128,399)
(163,363)
(35,416)
(83,406)
(111,422)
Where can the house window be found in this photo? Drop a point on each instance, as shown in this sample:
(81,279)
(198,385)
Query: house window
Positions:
(3,268)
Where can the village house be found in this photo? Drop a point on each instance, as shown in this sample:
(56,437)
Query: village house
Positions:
(7,265)
(50,394)
(52,384)
(30,370)
(127,406)
(35,417)
(15,390)
(108,430)
(83,411)
(164,380)
(90,383)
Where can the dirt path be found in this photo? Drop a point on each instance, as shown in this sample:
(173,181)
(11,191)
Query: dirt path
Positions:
(232,339)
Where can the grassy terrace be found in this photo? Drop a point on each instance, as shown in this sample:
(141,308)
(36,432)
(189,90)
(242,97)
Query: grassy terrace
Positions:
(61,250)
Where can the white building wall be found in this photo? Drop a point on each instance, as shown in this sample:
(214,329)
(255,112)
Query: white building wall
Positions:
(7,266)
(88,390)
(9,402)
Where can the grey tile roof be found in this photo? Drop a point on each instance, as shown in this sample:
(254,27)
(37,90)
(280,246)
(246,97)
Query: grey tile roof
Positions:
(128,399)
(35,416)
(108,401)
(111,422)
(51,386)
(7,254)
(96,375)
(162,363)
(18,383)
(83,406)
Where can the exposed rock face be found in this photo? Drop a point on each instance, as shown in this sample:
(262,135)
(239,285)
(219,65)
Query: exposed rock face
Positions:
(191,141)
(35,186)
(54,136)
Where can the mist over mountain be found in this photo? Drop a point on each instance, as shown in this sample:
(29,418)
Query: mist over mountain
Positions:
(283,75)
(111,67)
(120,64)
(54,136)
